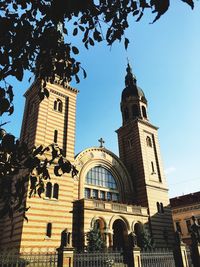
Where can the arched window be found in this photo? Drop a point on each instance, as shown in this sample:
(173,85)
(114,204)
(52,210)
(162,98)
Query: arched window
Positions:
(135,110)
(148,140)
(55,138)
(158,206)
(48,190)
(161,208)
(55,191)
(100,184)
(126,114)
(55,105)
(144,113)
(58,105)
(49,230)
(100,176)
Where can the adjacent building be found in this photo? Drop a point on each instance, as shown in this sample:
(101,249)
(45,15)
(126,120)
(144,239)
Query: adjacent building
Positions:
(122,194)
(183,208)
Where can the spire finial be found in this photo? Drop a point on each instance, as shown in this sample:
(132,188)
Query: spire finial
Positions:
(130,77)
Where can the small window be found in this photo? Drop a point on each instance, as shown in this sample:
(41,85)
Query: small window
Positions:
(49,230)
(87,193)
(109,196)
(144,113)
(148,141)
(48,190)
(55,191)
(55,105)
(102,195)
(152,168)
(178,227)
(55,139)
(58,105)
(158,206)
(161,208)
(115,197)
(130,142)
(95,193)
(188,224)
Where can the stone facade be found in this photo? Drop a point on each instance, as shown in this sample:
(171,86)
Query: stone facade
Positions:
(123,194)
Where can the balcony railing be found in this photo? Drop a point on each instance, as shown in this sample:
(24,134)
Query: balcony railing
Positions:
(114,207)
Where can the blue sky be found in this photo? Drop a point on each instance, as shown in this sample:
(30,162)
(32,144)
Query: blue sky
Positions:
(165,57)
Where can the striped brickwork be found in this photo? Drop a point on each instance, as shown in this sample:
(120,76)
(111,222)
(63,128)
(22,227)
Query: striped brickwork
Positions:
(150,184)
(39,123)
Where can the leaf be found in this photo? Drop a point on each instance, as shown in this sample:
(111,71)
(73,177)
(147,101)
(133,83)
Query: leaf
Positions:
(75,50)
(91,41)
(84,74)
(19,72)
(140,16)
(75,31)
(81,28)
(136,12)
(11,110)
(4,105)
(10,93)
(126,42)
(77,79)
(189,2)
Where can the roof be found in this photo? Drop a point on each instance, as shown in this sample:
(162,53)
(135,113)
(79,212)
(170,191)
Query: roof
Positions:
(131,89)
(185,200)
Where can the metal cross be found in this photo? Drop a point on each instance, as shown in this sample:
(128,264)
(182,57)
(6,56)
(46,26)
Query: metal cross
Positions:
(101,141)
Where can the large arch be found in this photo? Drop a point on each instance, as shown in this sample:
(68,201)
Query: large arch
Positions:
(98,156)
(118,217)
(120,230)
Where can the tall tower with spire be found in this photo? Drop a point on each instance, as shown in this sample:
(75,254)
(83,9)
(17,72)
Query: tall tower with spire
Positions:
(140,152)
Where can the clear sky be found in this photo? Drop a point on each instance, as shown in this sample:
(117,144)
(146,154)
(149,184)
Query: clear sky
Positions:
(165,57)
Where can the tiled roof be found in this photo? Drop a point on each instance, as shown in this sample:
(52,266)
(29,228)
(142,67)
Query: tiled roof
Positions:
(185,200)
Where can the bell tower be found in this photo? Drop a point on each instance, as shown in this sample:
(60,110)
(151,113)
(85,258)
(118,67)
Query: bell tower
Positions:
(140,152)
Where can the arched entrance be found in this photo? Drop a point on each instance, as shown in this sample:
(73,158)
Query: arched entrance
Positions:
(139,229)
(120,235)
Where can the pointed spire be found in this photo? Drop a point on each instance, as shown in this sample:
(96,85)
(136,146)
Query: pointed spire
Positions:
(130,78)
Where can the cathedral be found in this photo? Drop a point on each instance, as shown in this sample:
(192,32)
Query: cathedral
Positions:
(124,195)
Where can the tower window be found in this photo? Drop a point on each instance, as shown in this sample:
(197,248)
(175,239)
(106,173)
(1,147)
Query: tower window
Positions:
(55,191)
(178,227)
(160,207)
(58,105)
(48,190)
(130,142)
(55,139)
(49,230)
(152,168)
(148,141)
(144,113)
(55,105)
(135,111)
